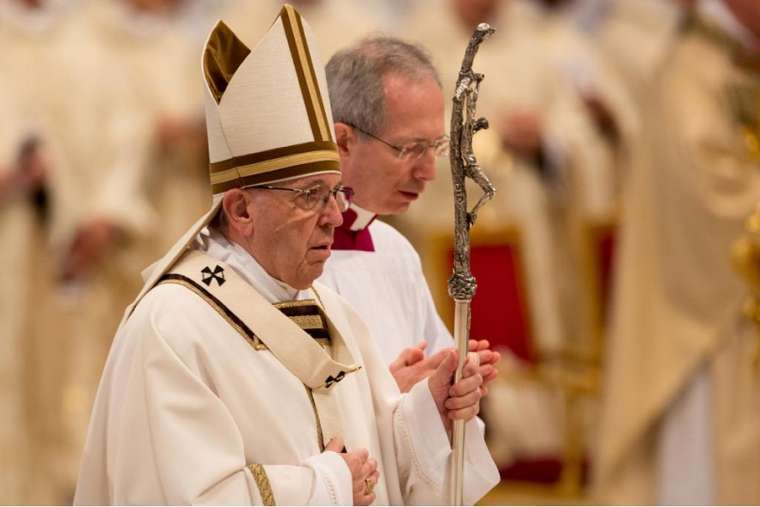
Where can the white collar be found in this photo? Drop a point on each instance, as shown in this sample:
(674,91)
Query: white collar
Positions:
(220,248)
(363,217)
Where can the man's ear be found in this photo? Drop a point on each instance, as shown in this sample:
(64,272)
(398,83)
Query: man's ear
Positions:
(235,209)
(345,137)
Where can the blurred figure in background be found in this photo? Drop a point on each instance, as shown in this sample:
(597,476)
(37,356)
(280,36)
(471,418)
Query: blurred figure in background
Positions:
(146,39)
(39,79)
(160,170)
(680,416)
(335,23)
(16,222)
(71,129)
(635,37)
(592,136)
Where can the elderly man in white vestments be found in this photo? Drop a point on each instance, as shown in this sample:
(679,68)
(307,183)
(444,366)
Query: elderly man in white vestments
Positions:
(389,112)
(233,378)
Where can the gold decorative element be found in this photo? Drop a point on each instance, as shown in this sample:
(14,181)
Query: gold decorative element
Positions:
(744,100)
(752,143)
(224,54)
(262,482)
(319,166)
(295,303)
(267,166)
(746,259)
(369,486)
(307,315)
(299,50)
(260,156)
(308,321)
(320,434)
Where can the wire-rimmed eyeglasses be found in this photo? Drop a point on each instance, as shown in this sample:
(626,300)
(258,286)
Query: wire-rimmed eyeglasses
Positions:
(415,149)
(316,198)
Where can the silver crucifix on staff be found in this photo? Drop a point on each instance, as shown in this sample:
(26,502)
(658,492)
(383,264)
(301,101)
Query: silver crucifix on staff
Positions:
(464,165)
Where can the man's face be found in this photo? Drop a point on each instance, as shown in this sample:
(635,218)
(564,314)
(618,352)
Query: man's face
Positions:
(290,243)
(383,183)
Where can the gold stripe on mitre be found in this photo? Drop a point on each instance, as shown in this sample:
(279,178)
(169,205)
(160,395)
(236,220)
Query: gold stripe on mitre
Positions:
(307,78)
(223,166)
(272,165)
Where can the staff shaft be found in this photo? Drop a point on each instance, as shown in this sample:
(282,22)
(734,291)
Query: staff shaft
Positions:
(461,338)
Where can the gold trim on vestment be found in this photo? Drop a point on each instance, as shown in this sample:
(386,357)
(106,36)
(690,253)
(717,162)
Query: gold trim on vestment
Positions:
(262,482)
(295,303)
(308,321)
(320,434)
(252,339)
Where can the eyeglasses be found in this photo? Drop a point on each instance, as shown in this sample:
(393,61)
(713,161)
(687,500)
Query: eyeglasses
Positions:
(414,150)
(316,198)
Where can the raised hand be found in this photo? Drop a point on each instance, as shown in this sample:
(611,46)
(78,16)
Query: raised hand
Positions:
(411,366)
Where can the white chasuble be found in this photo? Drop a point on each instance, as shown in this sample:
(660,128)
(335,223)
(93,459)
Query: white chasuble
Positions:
(213,395)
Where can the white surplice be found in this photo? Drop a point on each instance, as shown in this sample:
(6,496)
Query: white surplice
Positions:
(387,287)
(188,411)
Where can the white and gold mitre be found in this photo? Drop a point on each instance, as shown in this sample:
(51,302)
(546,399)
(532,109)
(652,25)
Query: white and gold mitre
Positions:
(267,110)
(267,115)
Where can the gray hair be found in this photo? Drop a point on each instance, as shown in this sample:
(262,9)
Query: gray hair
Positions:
(355,78)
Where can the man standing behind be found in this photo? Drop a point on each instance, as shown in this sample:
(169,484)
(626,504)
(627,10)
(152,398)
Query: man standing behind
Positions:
(389,123)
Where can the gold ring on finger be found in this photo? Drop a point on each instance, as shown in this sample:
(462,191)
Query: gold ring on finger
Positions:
(369,486)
